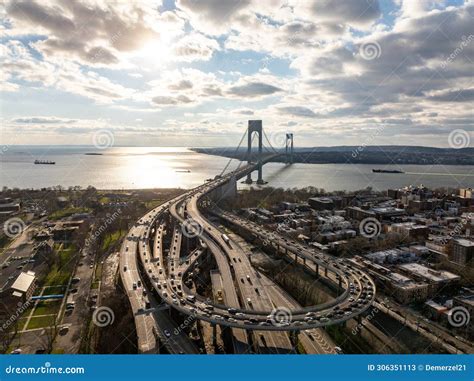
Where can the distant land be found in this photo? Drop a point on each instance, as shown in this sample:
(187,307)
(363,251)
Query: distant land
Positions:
(362,155)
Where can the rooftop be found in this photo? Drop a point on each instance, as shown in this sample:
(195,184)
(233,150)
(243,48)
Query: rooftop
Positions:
(24,281)
(429,274)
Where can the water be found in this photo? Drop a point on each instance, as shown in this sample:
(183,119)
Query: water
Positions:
(166,167)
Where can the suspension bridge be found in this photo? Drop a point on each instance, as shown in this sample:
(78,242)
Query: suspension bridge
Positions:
(264,152)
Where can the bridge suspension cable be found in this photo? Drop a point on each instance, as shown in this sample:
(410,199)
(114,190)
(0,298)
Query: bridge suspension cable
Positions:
(269,143)
(235,153)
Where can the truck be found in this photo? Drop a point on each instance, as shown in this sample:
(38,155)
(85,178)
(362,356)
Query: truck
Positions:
(226,239)
(219,296)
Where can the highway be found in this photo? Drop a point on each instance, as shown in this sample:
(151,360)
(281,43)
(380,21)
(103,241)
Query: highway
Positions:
(248,307)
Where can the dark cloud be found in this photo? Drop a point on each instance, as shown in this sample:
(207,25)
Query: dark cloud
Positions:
(353,12)
(297,111)
(253,89)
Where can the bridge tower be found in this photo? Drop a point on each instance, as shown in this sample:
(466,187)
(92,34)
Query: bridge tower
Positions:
(255,126)
(289,148)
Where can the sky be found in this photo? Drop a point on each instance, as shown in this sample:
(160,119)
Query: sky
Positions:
(193,72)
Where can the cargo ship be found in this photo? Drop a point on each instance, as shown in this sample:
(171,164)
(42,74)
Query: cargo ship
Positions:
(45,162)
(386,171)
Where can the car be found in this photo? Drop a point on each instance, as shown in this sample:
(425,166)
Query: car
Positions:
(76,280)
(232,310)
(134,286)
(124,268)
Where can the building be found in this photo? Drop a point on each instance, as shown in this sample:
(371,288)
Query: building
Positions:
(467,302)
(321,203)
(405,290)
(392,256)
(24,286)
(435,278)
(462,252)
(8,207)
(410,229)
(466,193)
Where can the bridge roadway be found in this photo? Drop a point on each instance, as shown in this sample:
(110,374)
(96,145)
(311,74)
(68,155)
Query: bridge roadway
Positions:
(357,297)
(151,322)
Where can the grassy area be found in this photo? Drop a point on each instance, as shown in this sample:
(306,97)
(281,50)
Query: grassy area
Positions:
(4,241)
(47,308)
(153,203)
(53,290)
(61,270)
(57,215)
(41,322)
(22,323)
(111,238)
(98,273)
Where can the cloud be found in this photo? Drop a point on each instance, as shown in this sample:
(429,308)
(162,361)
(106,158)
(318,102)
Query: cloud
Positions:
(169,100)
(354,12)
(43,120)
(212,16)
(92,33)
(195,47)
(297,111)
(253,89)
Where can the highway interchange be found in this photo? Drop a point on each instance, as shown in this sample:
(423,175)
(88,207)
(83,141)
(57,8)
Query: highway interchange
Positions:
(157,276)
